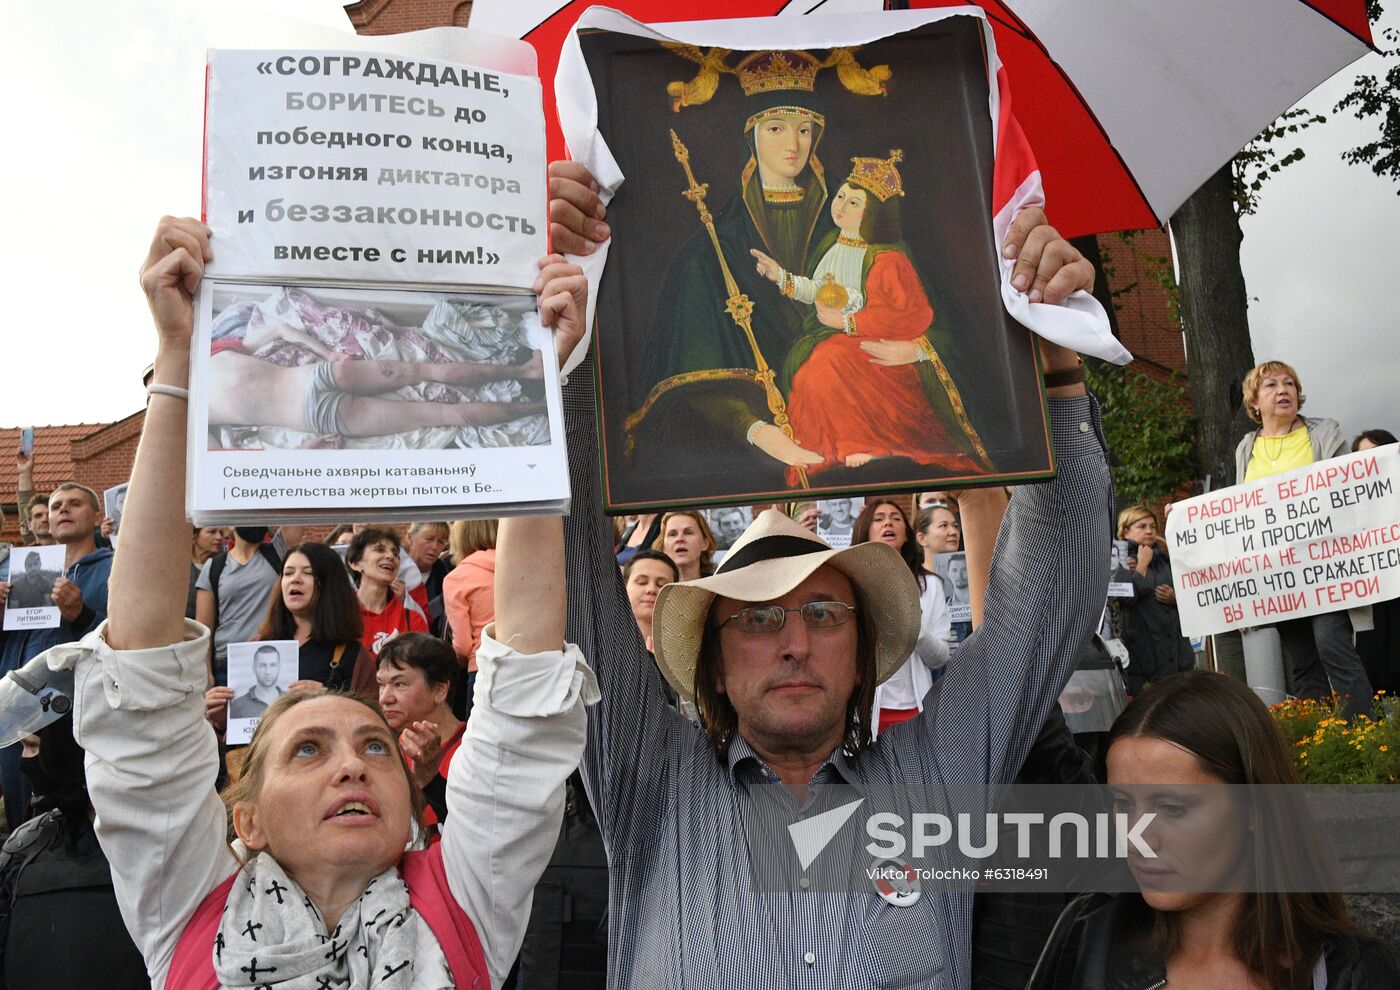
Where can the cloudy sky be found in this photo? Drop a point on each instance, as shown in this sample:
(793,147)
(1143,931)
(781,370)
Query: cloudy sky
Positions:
(106,139)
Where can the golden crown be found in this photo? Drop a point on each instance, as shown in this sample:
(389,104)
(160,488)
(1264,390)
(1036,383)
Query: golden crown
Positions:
(770,71)
(765,72)
(878,175)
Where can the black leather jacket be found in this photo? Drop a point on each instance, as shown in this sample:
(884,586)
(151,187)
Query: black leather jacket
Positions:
(1096,946)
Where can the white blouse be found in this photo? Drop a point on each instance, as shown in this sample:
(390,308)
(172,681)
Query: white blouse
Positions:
(907,686)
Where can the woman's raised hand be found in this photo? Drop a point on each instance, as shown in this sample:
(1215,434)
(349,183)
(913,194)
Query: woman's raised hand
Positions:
(171,273)
(563,292)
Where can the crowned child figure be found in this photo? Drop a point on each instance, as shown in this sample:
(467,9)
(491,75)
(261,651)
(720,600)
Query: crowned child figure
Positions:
(863,287)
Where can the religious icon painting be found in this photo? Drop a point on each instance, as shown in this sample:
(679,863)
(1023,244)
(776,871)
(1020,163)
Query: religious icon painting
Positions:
(803,295)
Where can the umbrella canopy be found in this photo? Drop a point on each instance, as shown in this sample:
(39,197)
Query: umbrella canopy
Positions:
(1129,104)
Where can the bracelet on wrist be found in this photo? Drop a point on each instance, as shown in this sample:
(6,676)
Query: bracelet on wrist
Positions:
(175,391)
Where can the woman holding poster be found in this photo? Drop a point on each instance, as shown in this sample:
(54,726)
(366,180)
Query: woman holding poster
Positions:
(1152,629)
(318,888)
(1318,649)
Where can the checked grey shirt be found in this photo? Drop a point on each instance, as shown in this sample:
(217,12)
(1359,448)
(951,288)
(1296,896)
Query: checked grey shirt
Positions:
(679,823)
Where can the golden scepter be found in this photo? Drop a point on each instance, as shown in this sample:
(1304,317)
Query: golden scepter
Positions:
(738,305)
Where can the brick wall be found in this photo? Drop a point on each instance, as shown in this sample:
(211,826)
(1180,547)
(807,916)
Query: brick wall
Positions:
(388,17)
(1133,268)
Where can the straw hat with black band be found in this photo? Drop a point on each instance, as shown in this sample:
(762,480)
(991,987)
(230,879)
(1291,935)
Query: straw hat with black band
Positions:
(773,557)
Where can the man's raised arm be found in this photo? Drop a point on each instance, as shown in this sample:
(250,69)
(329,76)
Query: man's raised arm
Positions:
(633,729)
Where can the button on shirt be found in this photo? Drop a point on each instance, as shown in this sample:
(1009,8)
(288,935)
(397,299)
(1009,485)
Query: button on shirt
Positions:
(678,820)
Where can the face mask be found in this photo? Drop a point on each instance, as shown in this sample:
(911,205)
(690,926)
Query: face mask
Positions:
(253,534)
(40,782)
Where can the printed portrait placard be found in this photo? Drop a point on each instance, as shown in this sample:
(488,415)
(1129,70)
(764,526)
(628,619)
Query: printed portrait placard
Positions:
(259,673)
(33,571)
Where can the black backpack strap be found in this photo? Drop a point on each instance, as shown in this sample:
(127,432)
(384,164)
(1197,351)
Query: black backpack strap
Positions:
(269,554)
(216,567)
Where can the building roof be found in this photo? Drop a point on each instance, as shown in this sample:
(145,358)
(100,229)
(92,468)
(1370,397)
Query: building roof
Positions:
(55,449)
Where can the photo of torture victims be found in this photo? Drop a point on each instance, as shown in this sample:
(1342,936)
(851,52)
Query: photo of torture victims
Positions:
(292,368)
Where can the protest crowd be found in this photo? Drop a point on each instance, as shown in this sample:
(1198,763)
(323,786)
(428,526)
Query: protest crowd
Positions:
(534,752)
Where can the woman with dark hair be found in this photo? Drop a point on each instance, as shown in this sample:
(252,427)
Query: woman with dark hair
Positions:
(316,606)
(937,531)
(644,576)
(374,557)
(901,697)
(1367,439)
(864,288)
(1241,892)
(318,609)
(415,677)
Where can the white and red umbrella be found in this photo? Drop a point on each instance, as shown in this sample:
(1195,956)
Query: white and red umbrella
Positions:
(1129,105)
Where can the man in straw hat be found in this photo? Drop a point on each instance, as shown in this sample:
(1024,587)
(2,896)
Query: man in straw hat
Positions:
(781,650)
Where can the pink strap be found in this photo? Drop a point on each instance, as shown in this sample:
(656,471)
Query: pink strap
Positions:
(192,967)
(428,892)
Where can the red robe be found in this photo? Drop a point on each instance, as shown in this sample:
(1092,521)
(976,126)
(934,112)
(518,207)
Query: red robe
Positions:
(843,404)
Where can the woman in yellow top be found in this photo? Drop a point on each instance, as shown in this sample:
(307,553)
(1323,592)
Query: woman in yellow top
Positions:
(1319,649)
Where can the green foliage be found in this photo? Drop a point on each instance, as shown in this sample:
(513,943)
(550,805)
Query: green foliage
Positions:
(1378,97)
(1149,428)
(1262,158)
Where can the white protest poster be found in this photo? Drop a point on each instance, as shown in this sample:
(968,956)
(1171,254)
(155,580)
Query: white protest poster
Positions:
(33,570)
(1318,539)
(259,674)
(953,568)
(373,167)
(366,338)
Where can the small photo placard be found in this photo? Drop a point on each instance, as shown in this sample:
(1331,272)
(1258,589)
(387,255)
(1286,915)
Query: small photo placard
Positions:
(33,571)
(1118,554)
(259,674)
(952,567)
(113,502)
(838,519)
